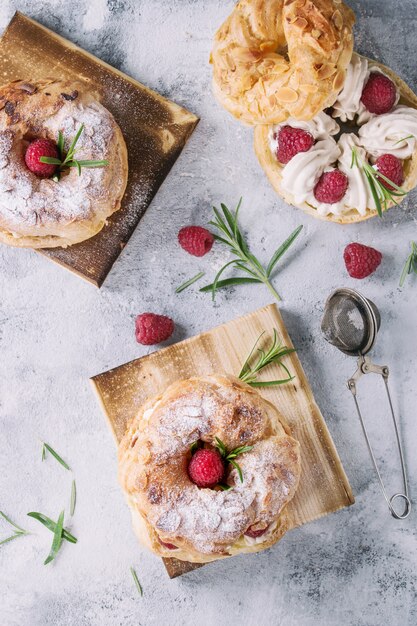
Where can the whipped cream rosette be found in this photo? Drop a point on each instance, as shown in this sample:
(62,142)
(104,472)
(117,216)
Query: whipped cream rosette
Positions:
(381,147)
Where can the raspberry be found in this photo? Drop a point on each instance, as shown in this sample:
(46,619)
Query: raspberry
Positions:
(379,94)
(206,468)
(152,328)
(291,141)
(391,167)
(169,546)
(361,261)
(37,149)
(331,187)
(255,533)
(195,240)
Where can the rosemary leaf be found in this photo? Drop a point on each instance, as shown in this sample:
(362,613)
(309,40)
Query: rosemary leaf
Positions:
(73,498)
(18,528)
(60,144)
(410,264)
(282,249)
(136,579)
(50,160)
(189,282)
(51,525)
(14,536)
(57,540)
(238,469)
(229,282)
(54,454)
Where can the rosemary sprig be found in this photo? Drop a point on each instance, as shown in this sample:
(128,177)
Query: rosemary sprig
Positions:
(189,282)
(136,580)
(68,159)
(380,193)
(231,235)
(57,540)
(18,531)
(410,265)
(47,447)
(51,525)
(230,457)
(273,354)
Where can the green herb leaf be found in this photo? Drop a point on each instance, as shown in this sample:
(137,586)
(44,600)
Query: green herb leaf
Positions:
(195,447)
(50,160)
(57,540)
(273,354)
(14,536)
(74,143)
(136,579)
(231,236)
(238,469)
(229,282)
(189,282)
(60,144)
(18,528)
(221,447)
(410,264)
(282,249)
(73,498)
(380,193)
(404,139)
(225,487)
(46,446)
(51,525)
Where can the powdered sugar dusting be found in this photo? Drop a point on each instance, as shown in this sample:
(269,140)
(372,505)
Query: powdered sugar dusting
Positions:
(27,201)
(206,519)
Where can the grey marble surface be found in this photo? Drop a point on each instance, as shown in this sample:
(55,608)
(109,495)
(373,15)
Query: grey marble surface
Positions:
(356,567)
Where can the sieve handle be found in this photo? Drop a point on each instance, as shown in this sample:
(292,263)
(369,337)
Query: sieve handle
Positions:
(365,366)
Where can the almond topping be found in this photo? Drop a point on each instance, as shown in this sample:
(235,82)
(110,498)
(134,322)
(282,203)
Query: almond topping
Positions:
(316,33)
(339,80)
(268,46)
(306,88)
(286,94)
(337,19)
(300,22)
(326,71)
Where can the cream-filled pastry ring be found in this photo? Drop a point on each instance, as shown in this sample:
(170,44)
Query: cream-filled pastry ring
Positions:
(39,212)
(172,515)
(274,59)
(392,133)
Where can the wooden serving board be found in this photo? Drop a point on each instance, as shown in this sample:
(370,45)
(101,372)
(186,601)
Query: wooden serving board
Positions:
(324,486)
(155,131)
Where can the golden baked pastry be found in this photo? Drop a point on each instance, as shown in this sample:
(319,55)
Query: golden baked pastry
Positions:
(38,212)
(274,59)
(393,133)
(172,515)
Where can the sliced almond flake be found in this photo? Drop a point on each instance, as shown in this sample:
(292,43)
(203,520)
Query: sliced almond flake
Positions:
(286,94)
(337,19)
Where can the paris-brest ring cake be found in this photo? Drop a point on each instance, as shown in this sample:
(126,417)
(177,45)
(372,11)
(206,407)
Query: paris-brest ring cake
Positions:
(335,132)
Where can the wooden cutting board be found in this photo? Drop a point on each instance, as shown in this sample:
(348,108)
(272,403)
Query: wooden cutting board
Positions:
(155,131)
(324,486)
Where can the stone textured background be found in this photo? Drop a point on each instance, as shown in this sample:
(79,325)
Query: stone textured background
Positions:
(356,567)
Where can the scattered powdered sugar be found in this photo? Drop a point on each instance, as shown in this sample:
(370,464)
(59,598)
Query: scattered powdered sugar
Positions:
(208,519)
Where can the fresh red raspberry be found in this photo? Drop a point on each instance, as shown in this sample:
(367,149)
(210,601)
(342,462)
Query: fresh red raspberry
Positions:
(152,328)
(255,533)
(291,141)
(206,468)
(391,167)
(195,240)
(361,261)
(37,149)
(331,187)
(168,546)
(379,93)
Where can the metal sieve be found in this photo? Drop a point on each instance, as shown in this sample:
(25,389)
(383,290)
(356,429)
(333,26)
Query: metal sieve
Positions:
(351,323)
